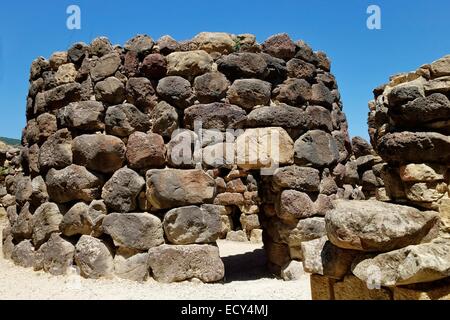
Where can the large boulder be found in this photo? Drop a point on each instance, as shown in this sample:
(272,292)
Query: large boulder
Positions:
(73,183)
(98,152)
(142,44)
(154,66)
(93,258)
(211,87)
(169,188)
(131,266)
(280,46)
(140,231)
(373,226)
(264,148)
(121,191)
(176,91)
(281,115)
(414,147)
(189,64)
(83,115)
(46,220)
(320,256)
(105,66)
(294,92)
(297,178)
(56,255)
(316,148)
(146,150)
(192,224)
(220,116)
(174,263)
(111,90)
(164,119)
(56,152)
(294,204)
(140,93)
(243,65)
(23,226)
(248,93)
(23,254)
(300,69)
(82,218)
(414,264)
(214,42)
(124,119)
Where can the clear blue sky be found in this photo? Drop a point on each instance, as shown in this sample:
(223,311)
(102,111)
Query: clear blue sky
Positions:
(413,32)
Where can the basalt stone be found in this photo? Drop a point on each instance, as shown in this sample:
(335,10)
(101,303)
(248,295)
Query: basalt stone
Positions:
(295,92)
(131,64)
(182,151)
(214,42)
(98,152)
(164,119)
(173,263)
(434,107)
(406,92)
(322,61)
(24,189)
(57,255)
(361,147)
(93,258)
(23,254)
(66,73)
(124,119)
(141,44)
(154,66)
(220,116)
(140,231)
(294,204)
(277,70)
(243,65)
(300,69)
(111,90)
(414,147)
(100,46)
(211,87)
(130,266)
(175,90)
(192,224)
(140,92)
(23,226)
(73,183)
(318,117)
(414,264)
(83,115)
(189,64)
(46,220)
(56,152)
(105,66)
(377,226)
(60,96)
(145,151)
(321,95)
(280,46)
(316,148)
(297,178)
(305,52)
(167,45)
(171,188)
(77,52)
(47,125)
(57,59)
(38,66)
(306,230)
(248,93)
(281,115)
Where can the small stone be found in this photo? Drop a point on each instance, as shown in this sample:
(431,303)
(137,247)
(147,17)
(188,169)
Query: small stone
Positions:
(238,236)
(280,46)
(124,119)
(292,271)
(294,92)
(243,65)
(211,87)
(111,90)
(248,93)
(189,64)
(154,66)
(176,91)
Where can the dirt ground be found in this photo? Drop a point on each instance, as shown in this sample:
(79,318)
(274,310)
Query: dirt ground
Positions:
(245,278)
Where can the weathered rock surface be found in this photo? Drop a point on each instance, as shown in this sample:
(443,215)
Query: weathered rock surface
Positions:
(121,191)
(140,231)
(413,264)
(56,255)
(374,226)
(192,224)
(46,220)
(124,119)
(174,263)
(171,188)
(98,152)
(93,258)
(217,115)
(145,151)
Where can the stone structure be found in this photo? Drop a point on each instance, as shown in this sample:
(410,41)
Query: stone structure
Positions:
(397,250)
(136,155)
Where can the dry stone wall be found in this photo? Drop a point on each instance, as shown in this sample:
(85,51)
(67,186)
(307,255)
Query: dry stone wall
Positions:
(137,158)
(398,247)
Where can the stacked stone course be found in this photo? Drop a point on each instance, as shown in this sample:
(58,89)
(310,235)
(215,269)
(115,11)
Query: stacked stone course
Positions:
(118,178)
(398,247)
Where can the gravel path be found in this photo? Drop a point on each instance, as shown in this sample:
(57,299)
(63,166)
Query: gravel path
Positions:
(245,279)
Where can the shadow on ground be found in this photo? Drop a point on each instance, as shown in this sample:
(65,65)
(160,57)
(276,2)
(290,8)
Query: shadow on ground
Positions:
(246,266)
